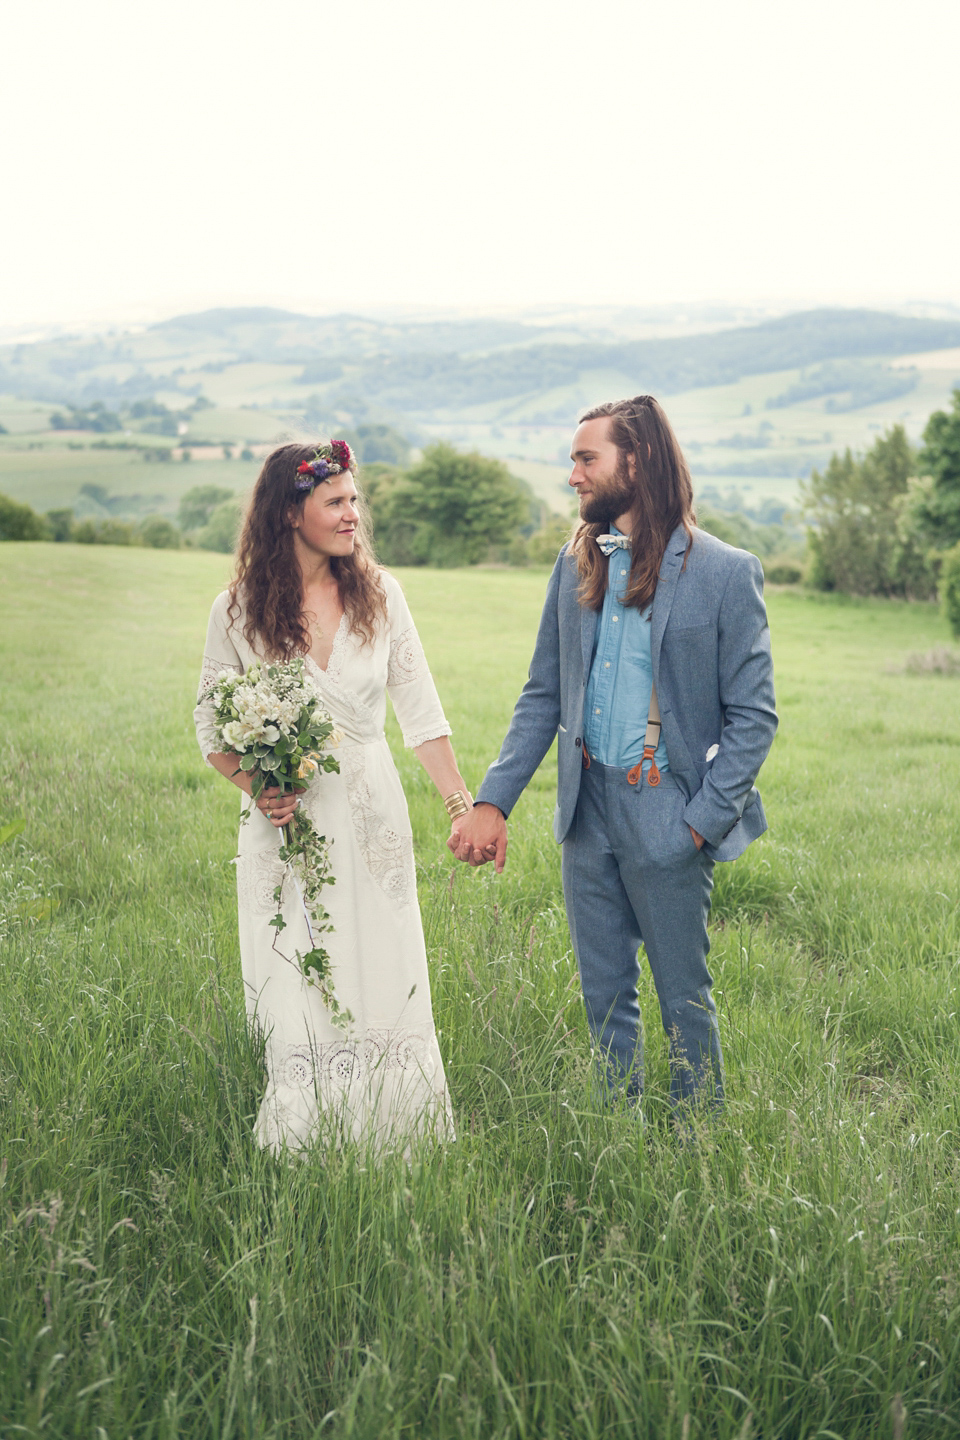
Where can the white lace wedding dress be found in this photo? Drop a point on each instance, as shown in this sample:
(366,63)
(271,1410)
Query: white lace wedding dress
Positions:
(383,1079)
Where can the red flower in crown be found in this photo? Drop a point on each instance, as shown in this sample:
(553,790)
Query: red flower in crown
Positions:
(341,453)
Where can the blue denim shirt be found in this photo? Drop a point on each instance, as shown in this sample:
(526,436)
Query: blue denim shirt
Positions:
(617,698)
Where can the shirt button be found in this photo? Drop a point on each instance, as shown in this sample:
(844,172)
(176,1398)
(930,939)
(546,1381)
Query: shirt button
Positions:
(606,664)
(597,711)
(623,572)
(615,619)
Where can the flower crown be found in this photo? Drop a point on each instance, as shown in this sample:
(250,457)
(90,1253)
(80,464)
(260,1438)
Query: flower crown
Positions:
(328,461)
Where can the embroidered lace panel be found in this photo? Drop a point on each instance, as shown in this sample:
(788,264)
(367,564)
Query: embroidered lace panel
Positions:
(407,661)
(352,716)
(387,855)
(209,673)
(259,872)
(203,714)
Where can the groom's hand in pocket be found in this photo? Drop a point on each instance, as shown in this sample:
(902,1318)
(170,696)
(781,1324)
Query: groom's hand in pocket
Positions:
(480,836)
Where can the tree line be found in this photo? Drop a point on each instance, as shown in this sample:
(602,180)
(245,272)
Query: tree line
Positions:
(883,523)
(448,509)
(888,522)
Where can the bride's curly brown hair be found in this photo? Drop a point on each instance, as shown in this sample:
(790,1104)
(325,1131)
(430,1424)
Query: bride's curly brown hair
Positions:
(267,573)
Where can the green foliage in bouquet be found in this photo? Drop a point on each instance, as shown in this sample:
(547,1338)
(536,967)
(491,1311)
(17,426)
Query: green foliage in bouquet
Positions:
(274,720)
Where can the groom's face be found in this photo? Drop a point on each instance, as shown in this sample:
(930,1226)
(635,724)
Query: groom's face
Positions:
(602,477)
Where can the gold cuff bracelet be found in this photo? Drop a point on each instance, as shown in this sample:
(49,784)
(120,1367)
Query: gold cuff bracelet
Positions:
(456,804)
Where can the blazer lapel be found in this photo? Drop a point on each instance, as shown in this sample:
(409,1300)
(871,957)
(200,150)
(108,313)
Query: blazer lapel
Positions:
(670,567)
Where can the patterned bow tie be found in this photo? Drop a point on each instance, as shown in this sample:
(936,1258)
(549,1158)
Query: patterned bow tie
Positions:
(609,543)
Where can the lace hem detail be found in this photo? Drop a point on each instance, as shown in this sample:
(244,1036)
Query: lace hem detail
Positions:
(382,1089)
(338,1065)
(387,855)
(407,661)
(412,741)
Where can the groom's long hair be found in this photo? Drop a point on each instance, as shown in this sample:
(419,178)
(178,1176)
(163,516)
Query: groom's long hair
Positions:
(663,500)
(268,581)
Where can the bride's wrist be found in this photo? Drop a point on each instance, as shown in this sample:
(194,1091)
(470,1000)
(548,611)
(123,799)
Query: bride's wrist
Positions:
(458,802)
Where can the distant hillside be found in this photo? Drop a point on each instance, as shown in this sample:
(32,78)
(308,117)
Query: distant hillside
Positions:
(418,368)
(662,366)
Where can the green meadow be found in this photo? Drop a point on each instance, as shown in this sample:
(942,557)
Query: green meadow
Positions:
(792,1271)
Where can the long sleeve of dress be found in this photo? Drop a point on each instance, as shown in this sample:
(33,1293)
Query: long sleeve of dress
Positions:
(219,654)
(409,682)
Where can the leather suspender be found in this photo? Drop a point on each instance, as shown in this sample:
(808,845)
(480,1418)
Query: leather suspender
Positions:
(651,740)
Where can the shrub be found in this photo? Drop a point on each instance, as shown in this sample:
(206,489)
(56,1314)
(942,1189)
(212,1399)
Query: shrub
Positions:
(198,504)
(941,660)
(950,589)
(159,533)
(221,531)
(783,574)
(544,546)
(19,522)
(116,532)
(60,523)
(104,532)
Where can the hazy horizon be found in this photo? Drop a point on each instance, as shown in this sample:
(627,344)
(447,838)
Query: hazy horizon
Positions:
(323,157)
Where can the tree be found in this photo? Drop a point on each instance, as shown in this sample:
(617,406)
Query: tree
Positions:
(197,505)
(104,532)
(855,505)
(939,509)
(456,506)
(159,533)
(544,547)
(20,522)
(381,444)
(950,589)
(95,417)
(221,530)
(61,525)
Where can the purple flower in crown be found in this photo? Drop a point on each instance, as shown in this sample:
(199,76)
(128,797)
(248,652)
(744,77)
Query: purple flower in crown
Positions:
(311,473)
(328,461)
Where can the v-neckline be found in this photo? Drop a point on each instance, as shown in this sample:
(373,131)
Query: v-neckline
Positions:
(334,658)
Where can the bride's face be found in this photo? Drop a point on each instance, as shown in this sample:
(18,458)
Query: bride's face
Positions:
(327,522)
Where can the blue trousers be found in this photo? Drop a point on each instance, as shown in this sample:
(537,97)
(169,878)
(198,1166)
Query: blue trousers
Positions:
(633,876)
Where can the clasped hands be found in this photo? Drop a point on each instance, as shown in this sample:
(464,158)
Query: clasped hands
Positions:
(479,837)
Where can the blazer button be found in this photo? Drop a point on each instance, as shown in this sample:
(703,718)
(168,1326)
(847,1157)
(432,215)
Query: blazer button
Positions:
(577,742)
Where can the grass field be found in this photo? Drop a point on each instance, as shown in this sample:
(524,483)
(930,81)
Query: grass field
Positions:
(51,477)
(557,1271)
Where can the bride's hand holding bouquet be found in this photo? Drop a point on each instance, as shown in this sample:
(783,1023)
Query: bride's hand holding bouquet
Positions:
(274,722)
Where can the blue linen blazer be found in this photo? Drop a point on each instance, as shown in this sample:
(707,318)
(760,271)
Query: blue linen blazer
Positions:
(710,646)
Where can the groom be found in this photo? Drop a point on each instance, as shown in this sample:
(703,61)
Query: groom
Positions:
(652,666)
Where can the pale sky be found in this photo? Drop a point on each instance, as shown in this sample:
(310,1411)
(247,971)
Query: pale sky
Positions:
(171,155)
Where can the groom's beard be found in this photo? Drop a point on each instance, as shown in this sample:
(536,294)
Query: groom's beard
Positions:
(611,498)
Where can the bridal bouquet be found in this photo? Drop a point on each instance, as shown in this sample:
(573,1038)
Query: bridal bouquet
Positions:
(274,721)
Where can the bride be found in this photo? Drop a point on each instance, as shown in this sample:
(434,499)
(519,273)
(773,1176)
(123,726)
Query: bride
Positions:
(306,584)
